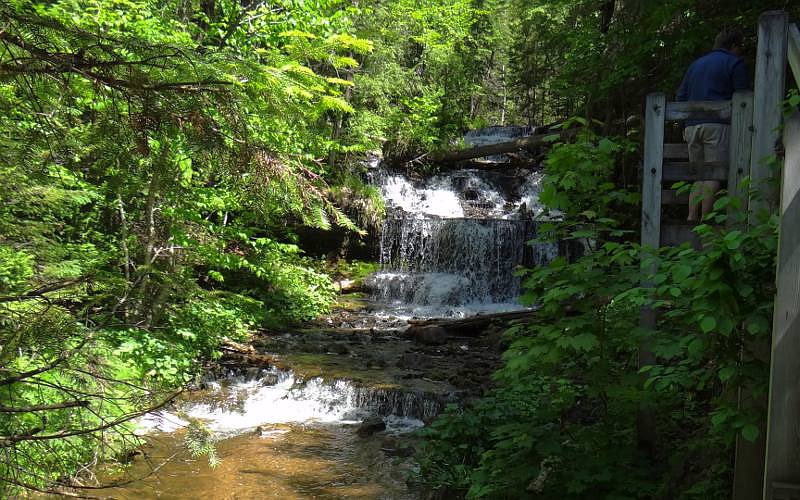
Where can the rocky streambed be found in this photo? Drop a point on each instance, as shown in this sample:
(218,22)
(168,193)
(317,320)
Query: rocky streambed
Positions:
(324,411)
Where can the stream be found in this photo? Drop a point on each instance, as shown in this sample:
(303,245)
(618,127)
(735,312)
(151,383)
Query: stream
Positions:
(331,412)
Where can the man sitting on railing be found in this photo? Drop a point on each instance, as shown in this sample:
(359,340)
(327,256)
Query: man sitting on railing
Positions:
(713,77)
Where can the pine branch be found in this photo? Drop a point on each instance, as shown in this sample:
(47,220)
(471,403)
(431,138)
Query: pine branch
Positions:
(35,434)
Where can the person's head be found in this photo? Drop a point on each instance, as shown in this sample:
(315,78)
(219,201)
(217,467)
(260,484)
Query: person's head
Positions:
(731,40)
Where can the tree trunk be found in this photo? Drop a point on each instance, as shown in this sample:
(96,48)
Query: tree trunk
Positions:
(524,143)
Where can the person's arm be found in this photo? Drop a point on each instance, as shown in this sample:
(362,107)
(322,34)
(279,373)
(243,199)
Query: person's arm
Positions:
(741,81)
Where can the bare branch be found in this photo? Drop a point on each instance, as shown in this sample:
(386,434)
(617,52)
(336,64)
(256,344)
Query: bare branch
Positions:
(41,291)
(31,409)
(6,441)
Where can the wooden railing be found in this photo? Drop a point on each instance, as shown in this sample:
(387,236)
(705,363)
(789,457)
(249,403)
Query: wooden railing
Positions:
(668,163)
(770,467)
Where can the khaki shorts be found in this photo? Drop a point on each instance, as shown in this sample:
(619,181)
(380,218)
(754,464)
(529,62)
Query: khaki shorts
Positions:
(707,142)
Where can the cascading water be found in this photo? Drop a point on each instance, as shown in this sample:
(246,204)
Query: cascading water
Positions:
(242,404)
(451,244)
(280,436)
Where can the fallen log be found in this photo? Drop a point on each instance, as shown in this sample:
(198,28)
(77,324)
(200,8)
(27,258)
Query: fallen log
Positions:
(466,327)
(515,161)
(523,143)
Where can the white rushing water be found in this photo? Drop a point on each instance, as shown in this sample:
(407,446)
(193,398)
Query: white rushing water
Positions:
(451,244)
(437,198)
(241,405)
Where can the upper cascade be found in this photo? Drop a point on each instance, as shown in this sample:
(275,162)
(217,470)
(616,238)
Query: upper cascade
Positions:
(451,244)
(465,193)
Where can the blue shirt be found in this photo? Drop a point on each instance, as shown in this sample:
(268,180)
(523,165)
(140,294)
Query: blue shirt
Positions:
(713,77)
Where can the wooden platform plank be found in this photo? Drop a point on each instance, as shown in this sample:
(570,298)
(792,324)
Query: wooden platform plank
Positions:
(676,151)
(783,433)
(794,51)
(712,171)
(653,162)
(655,107)
(740,144)
(770,79)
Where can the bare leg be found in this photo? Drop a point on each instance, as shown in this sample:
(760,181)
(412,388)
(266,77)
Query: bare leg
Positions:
(695,194)
(710,188)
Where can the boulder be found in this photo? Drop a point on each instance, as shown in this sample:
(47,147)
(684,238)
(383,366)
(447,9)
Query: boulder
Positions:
(370,426)
(338,348)
(428,334)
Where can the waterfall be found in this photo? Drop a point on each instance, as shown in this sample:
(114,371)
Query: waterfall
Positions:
(451,244)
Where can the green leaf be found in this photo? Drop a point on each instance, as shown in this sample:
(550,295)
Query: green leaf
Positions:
(695,346)
(681,272)
(733,240)
(551,138)
(584,341)
(718,418)
(750,432)
(708,323)
(726,373)
(757,324)
(607,146)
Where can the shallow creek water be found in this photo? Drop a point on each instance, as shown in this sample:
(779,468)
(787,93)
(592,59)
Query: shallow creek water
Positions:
(283,461)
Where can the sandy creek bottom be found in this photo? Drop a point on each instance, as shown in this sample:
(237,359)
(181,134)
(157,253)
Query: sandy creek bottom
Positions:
(324,461)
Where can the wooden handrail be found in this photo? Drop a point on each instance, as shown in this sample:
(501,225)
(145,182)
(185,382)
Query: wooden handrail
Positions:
(698,110)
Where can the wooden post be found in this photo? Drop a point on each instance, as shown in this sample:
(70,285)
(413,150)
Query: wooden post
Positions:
(653,164)
(749,464)
(655,112)
(782,472)
(767,99)
(740,142)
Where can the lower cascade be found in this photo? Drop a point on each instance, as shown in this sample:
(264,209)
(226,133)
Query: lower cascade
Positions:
(239,404)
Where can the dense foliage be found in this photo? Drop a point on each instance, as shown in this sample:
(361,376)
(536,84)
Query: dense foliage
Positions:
(562,422)
(438,69)
(158,160)
(155,156)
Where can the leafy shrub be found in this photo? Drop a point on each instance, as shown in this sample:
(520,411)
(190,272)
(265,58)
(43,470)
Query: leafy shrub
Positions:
(195,331)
